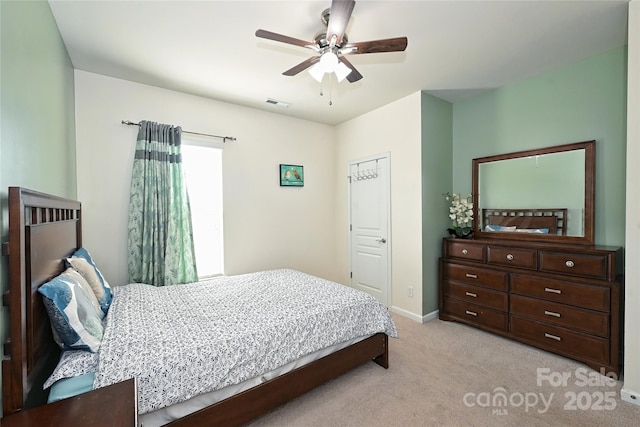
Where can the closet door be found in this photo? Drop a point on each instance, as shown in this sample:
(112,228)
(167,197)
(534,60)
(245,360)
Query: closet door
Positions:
(369,195)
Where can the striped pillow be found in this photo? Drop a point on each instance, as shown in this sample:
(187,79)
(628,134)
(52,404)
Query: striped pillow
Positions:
(82,262)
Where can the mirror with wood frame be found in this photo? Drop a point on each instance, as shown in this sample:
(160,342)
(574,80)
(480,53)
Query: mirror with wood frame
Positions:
(546,194)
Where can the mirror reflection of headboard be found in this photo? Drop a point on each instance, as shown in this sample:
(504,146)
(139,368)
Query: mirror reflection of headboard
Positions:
(534,221)
(524,183)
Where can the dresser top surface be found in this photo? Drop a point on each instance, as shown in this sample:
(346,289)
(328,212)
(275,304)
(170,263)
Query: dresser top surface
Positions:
(537,245)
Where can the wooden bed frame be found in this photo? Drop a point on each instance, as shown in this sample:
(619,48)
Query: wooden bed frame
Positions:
(45,229)
(553,219)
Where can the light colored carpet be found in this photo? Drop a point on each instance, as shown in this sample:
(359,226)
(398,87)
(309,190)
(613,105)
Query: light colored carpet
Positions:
(448,374)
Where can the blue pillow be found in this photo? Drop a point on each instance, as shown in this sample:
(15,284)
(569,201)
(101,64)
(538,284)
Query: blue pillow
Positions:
(491,227)
(533,230)
(105,295)
(76,322)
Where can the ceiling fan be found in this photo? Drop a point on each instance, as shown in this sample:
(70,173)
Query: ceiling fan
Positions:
(332,44)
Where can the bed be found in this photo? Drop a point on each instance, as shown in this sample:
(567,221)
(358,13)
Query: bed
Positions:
(44,230)
(541,221)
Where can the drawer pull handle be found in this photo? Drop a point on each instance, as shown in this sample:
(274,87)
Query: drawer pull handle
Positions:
(570,264)
(553,291)
(510,257)
(553,337)
(471,313)
(471,294)
(551,313)
(471,276)
(464,252)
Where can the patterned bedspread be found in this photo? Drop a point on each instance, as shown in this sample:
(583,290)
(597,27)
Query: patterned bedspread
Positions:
(183,340)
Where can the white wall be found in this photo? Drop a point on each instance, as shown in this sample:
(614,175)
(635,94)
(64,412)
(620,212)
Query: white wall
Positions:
(394,128)
(266,226)
(631,388)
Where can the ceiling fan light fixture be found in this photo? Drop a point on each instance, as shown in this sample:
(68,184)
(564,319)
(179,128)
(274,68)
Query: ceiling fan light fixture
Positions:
(329,61)
(317,72)
(342,71)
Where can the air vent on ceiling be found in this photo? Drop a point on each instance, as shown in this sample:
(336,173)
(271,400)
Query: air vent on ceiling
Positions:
(278,103)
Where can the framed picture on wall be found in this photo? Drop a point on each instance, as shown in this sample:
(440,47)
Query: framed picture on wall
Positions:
(291,175)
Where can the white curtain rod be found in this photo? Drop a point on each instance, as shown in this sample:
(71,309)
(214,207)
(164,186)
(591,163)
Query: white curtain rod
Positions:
(223,138)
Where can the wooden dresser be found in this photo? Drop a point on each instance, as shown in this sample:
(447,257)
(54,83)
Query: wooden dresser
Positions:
(561,298)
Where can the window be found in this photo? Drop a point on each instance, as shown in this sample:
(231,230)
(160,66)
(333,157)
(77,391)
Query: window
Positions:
(202,163)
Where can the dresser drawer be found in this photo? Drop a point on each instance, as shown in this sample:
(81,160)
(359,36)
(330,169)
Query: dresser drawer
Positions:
(476,276)
(512,257)
(561,339)
(477,295)
(575,264)
(464,250)
(592,322)
(477,314)
(586,296)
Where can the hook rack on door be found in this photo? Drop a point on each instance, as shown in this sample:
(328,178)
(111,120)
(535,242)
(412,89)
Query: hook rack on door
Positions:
(365,174)
(359,175)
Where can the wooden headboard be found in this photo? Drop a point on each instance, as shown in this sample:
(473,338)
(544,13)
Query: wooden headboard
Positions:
(553,219)
(43,230)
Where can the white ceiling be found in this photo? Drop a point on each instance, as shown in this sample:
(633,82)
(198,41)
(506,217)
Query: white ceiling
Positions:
(455,49)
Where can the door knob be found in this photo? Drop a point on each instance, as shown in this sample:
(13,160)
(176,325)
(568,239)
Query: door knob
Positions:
(381,240)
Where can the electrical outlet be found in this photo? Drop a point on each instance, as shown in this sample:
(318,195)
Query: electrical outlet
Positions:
(410,292)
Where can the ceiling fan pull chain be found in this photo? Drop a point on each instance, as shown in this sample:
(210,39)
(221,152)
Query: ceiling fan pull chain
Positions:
(330,86)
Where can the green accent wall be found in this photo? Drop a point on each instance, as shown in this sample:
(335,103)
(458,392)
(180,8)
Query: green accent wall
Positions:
(582,101)
(37,110)
(579,102)
(437,155)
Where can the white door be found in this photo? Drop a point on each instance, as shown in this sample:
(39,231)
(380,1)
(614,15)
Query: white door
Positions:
(370,246)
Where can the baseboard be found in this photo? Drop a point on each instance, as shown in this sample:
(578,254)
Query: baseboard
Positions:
(430,316)
(630,396)
(415,317)
(407,314)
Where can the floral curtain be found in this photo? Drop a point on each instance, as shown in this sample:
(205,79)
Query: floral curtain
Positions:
(160,243)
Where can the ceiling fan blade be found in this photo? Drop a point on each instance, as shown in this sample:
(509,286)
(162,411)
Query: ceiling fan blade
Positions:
(397,44)
(339,15)
(354,75)
(283,39)
(302,66)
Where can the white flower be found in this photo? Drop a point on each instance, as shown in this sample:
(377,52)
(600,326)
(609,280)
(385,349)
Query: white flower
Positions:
(461,210)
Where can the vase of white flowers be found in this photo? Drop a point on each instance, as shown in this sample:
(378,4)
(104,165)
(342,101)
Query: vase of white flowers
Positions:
(461,215)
